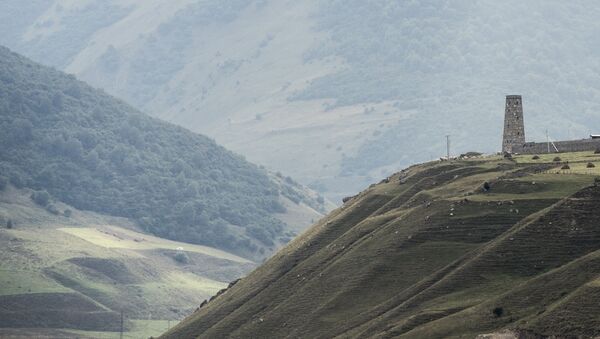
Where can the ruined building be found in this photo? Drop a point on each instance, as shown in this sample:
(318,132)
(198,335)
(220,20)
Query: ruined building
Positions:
(513,140)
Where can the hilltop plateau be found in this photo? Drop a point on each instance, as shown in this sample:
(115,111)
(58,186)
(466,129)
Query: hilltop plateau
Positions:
(445,249)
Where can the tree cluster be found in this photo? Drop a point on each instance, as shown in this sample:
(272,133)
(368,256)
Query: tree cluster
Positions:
(80,146)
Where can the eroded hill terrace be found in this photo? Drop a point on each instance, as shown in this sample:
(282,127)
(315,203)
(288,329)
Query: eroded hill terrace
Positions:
(432,251)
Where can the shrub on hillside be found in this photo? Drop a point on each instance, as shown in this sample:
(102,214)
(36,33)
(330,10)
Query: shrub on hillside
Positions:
(590,165)
(181,257)
(9,224)
(21,131)
(536,157)
(470,155)
(557,159)
(566,167)
(290,181)
(67,213)
(261,234)
(597,151)
(52,209)
(16,180)
(41,198)
(486,186)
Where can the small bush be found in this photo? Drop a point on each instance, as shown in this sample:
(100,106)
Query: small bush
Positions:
(9,224)
(507,155)
(181,257)
(590,165)
(536,157)
(486,186)
(471,155)
(41,198)
(52,209)
(557,159)
(498,311)
(597,151)
(565,167)
(16,180)
(67,213)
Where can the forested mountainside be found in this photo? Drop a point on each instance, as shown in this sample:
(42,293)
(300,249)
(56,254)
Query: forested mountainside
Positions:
(439,250)
(364,86)
(78,145)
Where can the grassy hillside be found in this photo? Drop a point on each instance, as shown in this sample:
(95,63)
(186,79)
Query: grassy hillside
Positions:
(430,253)
(364,86)
(59,274)
(96,153)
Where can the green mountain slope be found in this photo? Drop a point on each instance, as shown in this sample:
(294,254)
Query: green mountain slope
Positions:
(429,253)
(364,86)
(96,153)
(79,272)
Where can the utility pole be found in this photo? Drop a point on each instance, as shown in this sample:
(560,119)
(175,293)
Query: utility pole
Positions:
(548,140)
(448,147)
(121,335)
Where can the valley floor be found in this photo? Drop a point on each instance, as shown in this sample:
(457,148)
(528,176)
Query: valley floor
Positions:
(72,276)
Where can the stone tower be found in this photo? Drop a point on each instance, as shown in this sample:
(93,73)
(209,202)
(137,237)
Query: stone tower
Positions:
(514,128)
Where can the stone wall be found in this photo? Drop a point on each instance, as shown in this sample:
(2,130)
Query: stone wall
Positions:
(563,146)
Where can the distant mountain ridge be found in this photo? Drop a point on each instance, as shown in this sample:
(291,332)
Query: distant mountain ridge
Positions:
(334,93)
(97,153)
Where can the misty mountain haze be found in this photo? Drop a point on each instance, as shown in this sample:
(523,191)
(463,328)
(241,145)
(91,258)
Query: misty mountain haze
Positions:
(171,168)
(334,93)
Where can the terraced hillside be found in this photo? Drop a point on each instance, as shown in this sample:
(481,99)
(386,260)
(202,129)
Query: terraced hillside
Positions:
(60,273)
(430,253)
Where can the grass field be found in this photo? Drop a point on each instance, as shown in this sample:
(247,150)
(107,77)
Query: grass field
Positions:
(539,186)
(19,282)
(114,237)
(71,277)
(430,253)
(565,157)
(140,329)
